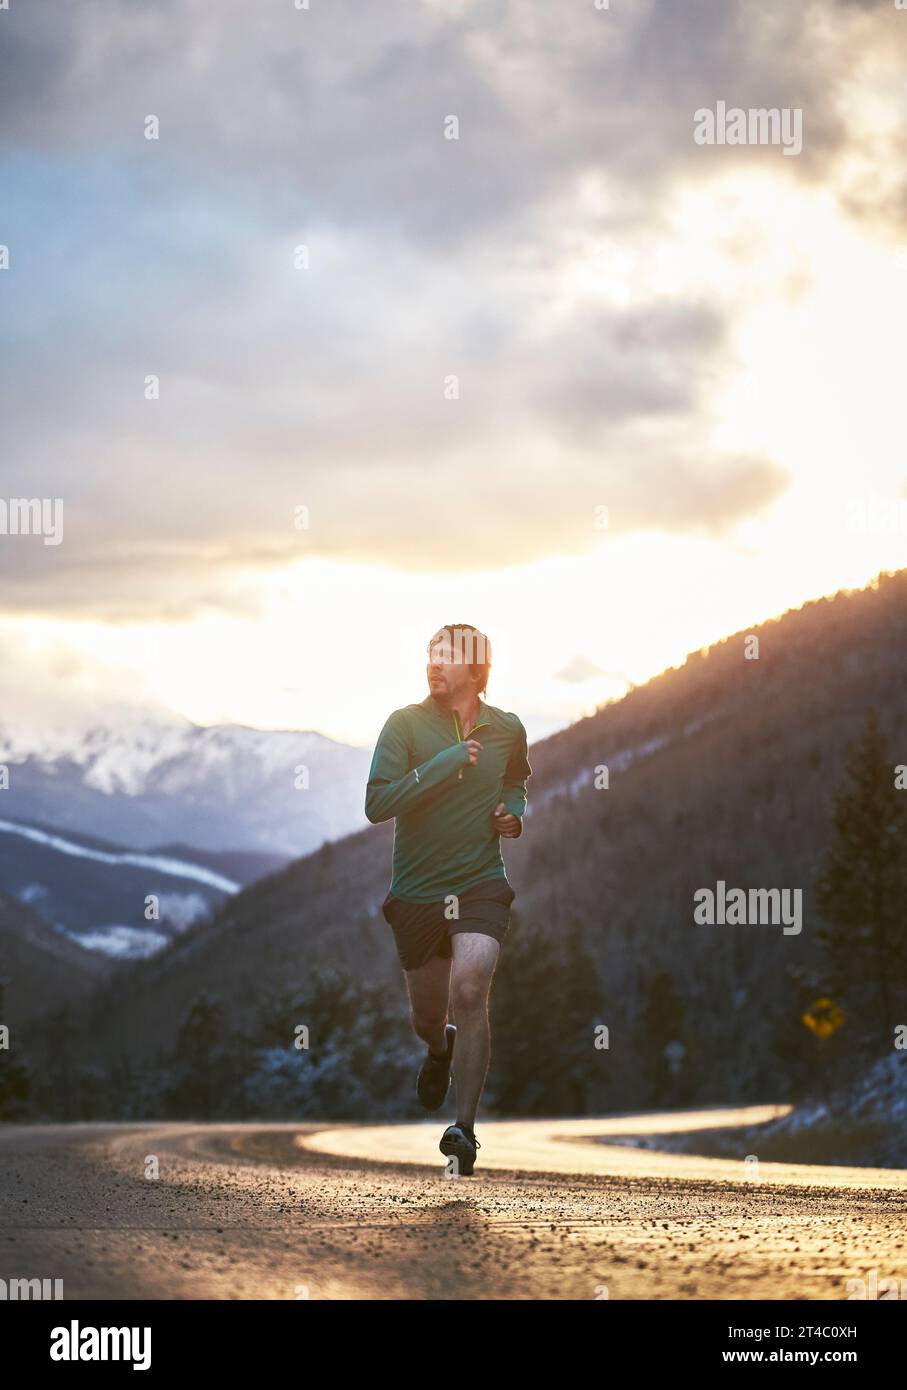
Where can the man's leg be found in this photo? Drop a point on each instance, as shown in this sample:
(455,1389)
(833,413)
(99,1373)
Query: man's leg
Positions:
(474,959)
(429,994)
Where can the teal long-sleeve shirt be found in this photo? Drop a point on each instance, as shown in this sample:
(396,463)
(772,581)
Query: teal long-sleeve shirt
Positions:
(444,837)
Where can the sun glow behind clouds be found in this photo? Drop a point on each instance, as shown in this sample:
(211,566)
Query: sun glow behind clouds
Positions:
(336,647)
(808,376)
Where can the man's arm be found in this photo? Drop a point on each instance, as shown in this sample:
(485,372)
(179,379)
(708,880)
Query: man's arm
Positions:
(513,793)
(392,785)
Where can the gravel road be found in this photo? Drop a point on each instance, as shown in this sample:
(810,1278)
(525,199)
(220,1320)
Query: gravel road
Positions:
(557,1210)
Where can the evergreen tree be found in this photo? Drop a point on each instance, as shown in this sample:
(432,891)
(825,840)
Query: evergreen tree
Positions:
(199,1059)
(544,1004)
(15,1075)
(58,1069)
(663,1041)
(860,891)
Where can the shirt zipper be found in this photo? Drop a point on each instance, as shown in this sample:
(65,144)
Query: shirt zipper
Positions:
(460,738)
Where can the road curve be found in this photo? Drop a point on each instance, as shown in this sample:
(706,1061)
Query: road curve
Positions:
(271,1211)
(581,1147)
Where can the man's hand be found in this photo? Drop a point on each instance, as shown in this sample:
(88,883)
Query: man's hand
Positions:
(504,823)
(475,749)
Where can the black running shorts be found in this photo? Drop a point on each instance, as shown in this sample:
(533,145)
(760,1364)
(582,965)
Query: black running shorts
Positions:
(422,931)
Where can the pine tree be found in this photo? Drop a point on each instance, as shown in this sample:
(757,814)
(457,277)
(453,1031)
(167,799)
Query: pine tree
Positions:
(663,1040)
(544,1006)
(860,891)
(200,1056)
(15,1075)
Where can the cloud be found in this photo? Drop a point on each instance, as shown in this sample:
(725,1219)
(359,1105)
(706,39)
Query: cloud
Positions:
(577,670)
(429,259)
(339,110)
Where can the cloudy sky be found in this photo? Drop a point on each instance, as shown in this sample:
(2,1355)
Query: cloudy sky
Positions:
(607,392)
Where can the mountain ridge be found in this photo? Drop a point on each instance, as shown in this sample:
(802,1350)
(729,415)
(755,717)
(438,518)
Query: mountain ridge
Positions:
(721,768)
(204,786)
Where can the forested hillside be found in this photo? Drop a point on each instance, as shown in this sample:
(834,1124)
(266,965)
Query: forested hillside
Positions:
(723,769)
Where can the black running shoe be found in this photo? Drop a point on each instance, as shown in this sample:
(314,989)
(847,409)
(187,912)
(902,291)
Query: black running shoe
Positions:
(461,1144)
(434,1075)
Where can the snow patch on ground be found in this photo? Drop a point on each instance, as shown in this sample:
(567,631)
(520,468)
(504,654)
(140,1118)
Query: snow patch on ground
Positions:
(120,942)
(175,868)
(861,1125)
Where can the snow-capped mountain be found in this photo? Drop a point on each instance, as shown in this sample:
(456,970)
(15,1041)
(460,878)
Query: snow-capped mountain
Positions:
(122,903)
(119,902)
(153,781)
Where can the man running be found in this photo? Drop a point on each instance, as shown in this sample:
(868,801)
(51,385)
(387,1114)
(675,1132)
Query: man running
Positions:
(453,771)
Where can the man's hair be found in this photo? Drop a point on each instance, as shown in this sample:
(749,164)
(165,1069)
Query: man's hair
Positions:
(470,646)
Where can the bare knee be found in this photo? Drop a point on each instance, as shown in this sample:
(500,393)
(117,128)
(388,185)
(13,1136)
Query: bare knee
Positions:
(470,996)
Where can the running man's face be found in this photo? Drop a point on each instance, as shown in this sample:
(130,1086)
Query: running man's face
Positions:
(448,673)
